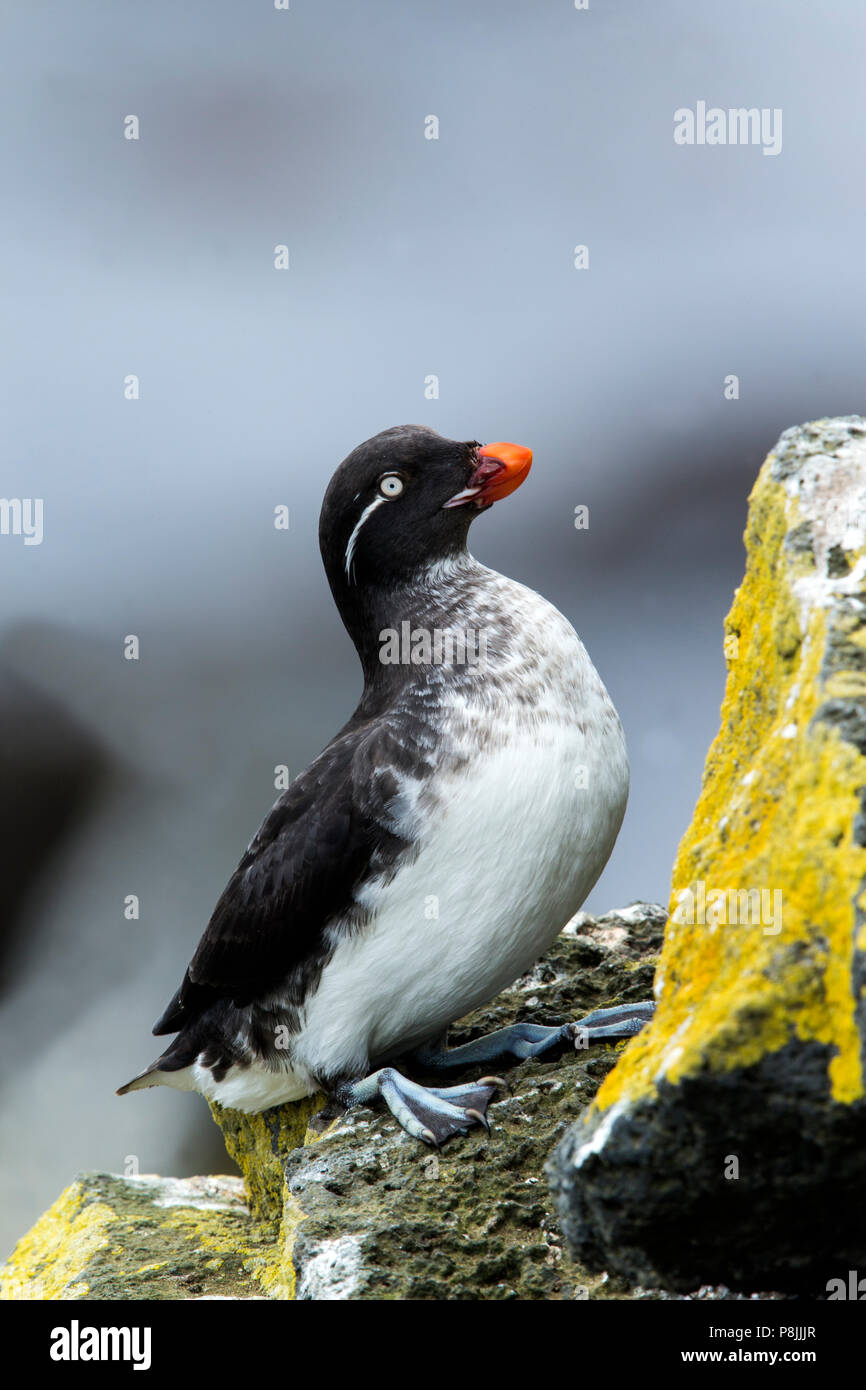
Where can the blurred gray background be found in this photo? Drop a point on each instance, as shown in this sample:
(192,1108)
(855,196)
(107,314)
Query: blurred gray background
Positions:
(408,257)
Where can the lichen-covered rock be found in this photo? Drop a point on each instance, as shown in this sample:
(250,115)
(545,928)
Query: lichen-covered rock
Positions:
(140,1238)
(362,1211)
(729,1144)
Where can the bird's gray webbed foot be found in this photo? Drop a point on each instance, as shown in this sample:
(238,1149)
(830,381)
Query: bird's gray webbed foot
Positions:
(428,1113)
(615,1024)
(521,1041)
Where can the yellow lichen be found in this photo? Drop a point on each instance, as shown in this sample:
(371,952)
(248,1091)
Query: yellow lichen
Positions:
(277,1275)
(48,1262)
(776,812)
(259,1144)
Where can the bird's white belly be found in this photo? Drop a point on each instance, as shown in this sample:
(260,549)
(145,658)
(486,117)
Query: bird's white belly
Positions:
(516,842)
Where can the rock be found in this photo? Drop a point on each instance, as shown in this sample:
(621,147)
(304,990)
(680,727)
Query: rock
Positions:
(729,1145)
(139,1237)
(362,1211)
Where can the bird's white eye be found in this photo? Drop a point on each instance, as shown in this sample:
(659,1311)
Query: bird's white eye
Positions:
(391,485)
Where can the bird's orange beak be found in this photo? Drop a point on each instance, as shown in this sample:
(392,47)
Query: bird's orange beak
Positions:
(501,469)
(515,465)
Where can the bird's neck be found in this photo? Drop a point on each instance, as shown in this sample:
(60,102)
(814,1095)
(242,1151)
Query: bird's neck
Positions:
(388,625)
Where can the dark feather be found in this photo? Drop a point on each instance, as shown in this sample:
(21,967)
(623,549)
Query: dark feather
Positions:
(333,828)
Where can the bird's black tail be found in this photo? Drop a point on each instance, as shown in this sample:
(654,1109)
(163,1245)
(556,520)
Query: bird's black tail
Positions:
(173,1016)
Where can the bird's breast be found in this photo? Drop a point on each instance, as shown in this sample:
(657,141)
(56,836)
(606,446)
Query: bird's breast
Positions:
(524,792)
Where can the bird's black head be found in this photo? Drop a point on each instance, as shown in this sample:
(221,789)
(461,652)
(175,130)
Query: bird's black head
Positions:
(404,500)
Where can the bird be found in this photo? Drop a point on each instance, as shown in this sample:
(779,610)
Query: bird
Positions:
(438,844)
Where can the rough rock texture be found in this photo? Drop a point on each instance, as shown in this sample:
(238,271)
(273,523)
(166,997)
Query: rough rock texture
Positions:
(364,1212)
(729,1144)
(141,1238)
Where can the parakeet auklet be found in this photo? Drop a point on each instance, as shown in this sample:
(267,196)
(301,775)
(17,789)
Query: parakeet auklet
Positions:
(437,846)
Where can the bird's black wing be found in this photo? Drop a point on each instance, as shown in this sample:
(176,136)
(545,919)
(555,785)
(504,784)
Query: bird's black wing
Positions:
(337,823)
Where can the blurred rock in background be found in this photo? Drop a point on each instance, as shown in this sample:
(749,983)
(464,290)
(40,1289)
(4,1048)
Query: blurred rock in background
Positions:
(50,772)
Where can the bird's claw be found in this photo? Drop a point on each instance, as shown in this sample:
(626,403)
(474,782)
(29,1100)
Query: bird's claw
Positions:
(435,1114)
